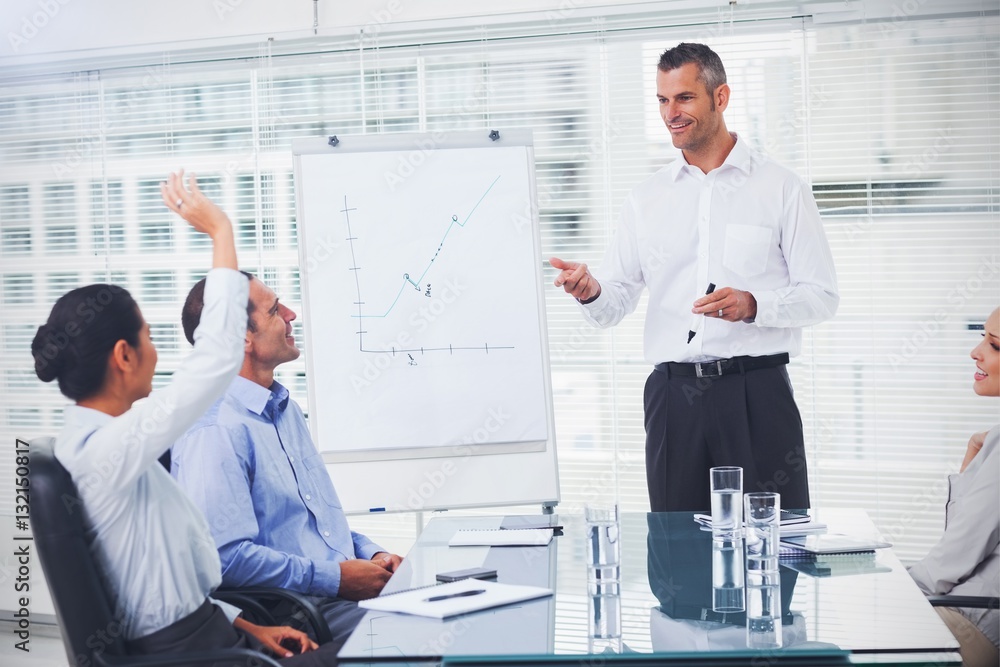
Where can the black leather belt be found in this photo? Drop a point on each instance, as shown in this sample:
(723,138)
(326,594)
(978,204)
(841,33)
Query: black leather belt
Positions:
(720,367)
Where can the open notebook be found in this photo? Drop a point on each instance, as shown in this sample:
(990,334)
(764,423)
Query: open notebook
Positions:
(452,599)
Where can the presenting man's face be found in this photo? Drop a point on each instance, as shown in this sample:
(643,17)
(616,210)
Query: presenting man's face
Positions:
(688,110)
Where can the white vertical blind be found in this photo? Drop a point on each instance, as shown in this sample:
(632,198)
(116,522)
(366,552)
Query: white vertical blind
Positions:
(894,122)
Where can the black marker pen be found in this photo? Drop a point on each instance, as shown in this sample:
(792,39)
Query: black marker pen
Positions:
(696,321)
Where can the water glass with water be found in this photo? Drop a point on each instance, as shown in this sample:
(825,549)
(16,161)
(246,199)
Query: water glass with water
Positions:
(604,578)
(605,612)
(727,576)
(603,543)
(727,502)
(763,520)
(763,610)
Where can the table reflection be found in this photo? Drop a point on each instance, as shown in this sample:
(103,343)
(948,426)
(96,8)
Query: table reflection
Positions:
(689,616)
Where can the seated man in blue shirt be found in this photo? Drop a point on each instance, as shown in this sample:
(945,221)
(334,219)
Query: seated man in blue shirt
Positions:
(251,467)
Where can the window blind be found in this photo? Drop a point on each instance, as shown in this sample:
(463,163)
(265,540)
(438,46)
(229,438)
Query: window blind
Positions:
(893,121)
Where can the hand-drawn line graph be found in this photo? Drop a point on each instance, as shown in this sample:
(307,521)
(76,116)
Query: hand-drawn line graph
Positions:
(355,268)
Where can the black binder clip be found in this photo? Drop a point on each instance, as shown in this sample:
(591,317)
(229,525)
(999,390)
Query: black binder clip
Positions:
(494,135)
(333,140)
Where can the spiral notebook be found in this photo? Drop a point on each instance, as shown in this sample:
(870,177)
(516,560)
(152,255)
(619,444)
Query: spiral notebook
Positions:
(501,537)
(811,546)
(452,599)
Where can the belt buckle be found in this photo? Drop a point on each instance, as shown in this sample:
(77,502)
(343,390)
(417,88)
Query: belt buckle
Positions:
(708,364)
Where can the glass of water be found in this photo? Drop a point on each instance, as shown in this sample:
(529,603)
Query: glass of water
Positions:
(604,578)
(763,514)
(727,576)
(727,502)
(604,551)
(763,610)
(605,613)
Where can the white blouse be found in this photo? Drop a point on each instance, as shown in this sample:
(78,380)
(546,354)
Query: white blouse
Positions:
(152,545)
(966,560)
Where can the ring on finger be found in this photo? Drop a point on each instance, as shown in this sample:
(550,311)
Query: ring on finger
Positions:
(720,311)
(180,202)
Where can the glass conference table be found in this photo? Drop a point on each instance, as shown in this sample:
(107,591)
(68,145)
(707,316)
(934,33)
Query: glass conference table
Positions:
(865,610)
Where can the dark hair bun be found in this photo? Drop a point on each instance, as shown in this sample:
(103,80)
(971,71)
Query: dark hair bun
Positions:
(50,357)
(74,343)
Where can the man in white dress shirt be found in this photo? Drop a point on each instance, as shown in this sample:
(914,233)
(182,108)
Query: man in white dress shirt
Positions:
(722,217)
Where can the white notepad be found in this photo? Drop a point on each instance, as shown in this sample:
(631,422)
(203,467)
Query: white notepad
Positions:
(525,537)
(457,597)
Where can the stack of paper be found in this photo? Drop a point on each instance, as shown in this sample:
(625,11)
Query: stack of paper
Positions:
(458,597)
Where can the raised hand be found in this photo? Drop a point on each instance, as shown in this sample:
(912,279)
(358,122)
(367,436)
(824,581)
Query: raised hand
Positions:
(202,214)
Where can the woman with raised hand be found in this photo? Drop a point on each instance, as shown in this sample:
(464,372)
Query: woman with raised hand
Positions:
(966,560)
(152,546)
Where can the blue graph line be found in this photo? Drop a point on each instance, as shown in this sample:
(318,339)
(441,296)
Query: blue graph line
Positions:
(416,284)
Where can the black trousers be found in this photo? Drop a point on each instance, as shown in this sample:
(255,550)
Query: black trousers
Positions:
(746,419)
(207,628)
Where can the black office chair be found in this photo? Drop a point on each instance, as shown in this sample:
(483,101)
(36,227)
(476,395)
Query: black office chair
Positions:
(967,601)
(90,632)
(253,600)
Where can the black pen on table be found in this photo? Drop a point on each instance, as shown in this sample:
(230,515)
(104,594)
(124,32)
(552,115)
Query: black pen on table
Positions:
(696,321)
(463,594)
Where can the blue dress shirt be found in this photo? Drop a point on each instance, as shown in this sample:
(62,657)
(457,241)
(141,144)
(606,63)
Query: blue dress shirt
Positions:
(250,465)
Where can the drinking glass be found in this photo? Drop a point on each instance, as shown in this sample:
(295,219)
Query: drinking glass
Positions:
(727,576)
(727,502)
(762,512)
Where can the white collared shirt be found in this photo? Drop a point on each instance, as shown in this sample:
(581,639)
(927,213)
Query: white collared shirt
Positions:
(152,545)
(750,224)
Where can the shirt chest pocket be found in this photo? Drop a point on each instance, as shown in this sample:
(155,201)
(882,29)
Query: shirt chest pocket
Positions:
(747,249)
(319,478)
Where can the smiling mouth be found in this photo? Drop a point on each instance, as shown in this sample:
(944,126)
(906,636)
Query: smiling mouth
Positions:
(678,126)
(981,374)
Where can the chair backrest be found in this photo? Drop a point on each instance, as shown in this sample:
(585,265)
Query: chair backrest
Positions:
(83,607)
